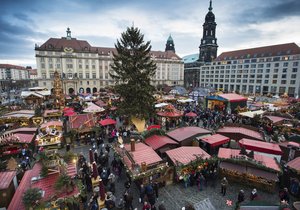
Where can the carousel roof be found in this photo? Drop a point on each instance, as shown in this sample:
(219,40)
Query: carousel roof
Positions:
(180,134)
(93,108)
(170,111)
(156,142)
(185,155)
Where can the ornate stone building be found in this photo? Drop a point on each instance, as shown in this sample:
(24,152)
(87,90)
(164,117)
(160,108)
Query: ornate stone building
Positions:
(85,68)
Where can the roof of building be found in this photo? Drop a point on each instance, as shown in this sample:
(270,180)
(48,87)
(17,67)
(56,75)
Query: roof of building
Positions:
(39,94)
(233,97)
(260,146)
(55,44)
(23,130)
(294,164)
(20,113)
(33,72)
(16,202)
(10,66)
(156,142)
(180,134)
(142,153)
(6,178)
(275,119)
(244,131)
(215,140)
(260,52)
(55,123)
(81,121)
(52,111)
(267,161)
(190,58)
(185,155)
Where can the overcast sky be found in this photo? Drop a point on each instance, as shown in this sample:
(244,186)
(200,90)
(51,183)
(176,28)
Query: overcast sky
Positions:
(240,23)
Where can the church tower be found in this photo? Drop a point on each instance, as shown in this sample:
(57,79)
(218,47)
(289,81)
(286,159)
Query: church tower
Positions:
(208,46)
(170,44)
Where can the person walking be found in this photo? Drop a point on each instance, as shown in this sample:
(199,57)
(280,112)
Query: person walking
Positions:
(224,184)
(241,198)
(253,194)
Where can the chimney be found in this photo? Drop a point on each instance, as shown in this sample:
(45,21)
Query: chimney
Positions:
(132,144)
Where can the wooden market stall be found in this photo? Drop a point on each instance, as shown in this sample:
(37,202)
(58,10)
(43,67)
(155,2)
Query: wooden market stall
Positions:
(53,114)
(274,119)
(228,101)
(50,135)
(236,132)
(259,171)
(13,141)
(160,144)
(21,118)
(185,135)
(292,177)
(188,160)
(211,144)
(143,164)
(83,125)
(8,185)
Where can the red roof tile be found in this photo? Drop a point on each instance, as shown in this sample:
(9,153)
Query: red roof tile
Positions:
(25,138)
(267,51)
(185,155)
(275,119)
(232,97)
(244,131)
(81,120)
(16,202)
(295,164)
(143,153)
(183,133)
(6,178)
(156,142)
(215,140)
(269,162)
(9,66)
(260,146)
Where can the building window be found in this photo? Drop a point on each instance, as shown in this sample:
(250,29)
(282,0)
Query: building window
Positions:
(42,65)
(69,66)
(294,70)
(94,75)
(283,81)
(283,76)
(93,66)
(80,75)
(94,82)
(268,65)
(274,82)
(275,70)
(266,81)
(44,83)
(294,76)
(87,82)
(285,64)
(292,82)
(295,63)
(50,66)
(258,81)
(87,75)
(58,65)
(275,76)
(267,70)
(42,59)
(267,76)
(70,75)
(44,75)
(86,66)
(284,70)
(80,66)
(51,75)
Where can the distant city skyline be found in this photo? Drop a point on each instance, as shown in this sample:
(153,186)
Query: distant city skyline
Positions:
(240,24)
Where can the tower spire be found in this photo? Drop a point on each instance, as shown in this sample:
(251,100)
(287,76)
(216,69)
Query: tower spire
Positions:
(210,5)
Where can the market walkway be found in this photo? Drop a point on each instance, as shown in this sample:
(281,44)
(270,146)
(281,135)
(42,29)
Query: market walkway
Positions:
(175,196)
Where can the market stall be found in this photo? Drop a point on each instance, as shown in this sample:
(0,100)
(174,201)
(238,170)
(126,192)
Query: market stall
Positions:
(21,118)
(228,101)
(13,141)
(292,177)
(50,135)
(53,114)
(186,135)
(169,116)
(142,163)
(160,144)
(237,133)
(189,160)
(83,125)
(212,143)
(259,171)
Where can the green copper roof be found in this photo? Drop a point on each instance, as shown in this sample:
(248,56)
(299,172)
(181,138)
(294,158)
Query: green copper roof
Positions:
(190,58)
(170,38)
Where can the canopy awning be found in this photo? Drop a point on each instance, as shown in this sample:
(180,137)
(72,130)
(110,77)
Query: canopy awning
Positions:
(107,121)
(93,108)
(251,114)
(191,114)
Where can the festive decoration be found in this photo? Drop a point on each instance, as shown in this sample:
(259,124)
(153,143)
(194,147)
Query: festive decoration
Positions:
(229,202)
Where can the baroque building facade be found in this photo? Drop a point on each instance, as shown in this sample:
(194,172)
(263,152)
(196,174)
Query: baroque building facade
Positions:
(85,68)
